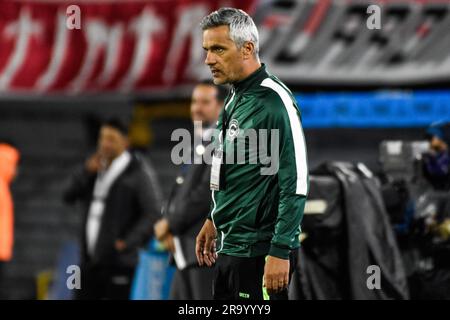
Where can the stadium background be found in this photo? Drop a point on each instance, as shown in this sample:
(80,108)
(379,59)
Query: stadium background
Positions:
(139,59)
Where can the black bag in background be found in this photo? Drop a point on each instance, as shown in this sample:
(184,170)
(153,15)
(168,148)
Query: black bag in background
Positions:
(351,233)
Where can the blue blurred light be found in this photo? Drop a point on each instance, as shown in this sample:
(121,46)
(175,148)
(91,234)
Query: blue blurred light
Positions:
(385,109)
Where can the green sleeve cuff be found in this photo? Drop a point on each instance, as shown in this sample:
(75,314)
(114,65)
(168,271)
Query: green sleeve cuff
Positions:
(276,251)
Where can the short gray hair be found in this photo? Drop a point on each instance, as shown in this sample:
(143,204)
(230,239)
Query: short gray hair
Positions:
(242,27)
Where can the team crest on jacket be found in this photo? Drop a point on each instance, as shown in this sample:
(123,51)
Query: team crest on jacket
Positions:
(233,130)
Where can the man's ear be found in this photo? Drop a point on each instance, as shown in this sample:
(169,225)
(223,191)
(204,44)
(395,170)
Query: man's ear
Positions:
(248,50)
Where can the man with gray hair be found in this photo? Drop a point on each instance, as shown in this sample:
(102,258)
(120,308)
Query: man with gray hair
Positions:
(252,233)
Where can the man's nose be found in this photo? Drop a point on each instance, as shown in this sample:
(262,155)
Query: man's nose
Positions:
(210,60)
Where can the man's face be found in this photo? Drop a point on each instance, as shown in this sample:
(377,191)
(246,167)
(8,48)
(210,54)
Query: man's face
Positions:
(437,144)
(204,104)
(222,56)
(111,143)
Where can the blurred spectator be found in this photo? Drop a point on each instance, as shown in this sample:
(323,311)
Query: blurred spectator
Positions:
(120,209)
(431,228)
(436,162)
(9,157)
(189,202)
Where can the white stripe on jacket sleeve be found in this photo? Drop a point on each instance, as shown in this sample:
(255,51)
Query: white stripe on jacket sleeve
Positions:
(297,135)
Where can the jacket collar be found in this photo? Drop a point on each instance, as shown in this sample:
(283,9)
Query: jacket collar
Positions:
(252,80)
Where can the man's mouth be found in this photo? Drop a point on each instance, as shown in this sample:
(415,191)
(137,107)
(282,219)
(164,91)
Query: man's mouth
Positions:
(215,72)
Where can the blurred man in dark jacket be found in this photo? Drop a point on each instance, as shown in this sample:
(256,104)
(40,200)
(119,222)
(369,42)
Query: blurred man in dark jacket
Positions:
(120,210)
(189,202)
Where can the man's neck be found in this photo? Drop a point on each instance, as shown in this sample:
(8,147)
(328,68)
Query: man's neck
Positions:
(110,161)
(250,68)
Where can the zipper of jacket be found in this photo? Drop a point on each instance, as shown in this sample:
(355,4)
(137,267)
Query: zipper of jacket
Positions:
(212,193)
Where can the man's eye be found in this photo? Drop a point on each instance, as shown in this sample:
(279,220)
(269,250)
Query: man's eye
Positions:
(219,50)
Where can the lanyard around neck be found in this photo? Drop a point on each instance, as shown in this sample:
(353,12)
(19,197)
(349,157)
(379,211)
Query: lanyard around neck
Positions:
(225,117)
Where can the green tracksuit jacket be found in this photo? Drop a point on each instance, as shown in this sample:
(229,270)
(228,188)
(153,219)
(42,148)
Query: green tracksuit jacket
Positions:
(260,214)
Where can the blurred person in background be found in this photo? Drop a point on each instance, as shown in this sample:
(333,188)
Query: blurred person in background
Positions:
(436,162)
(189,202)
(9,157)
(120,209)
(431,227)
